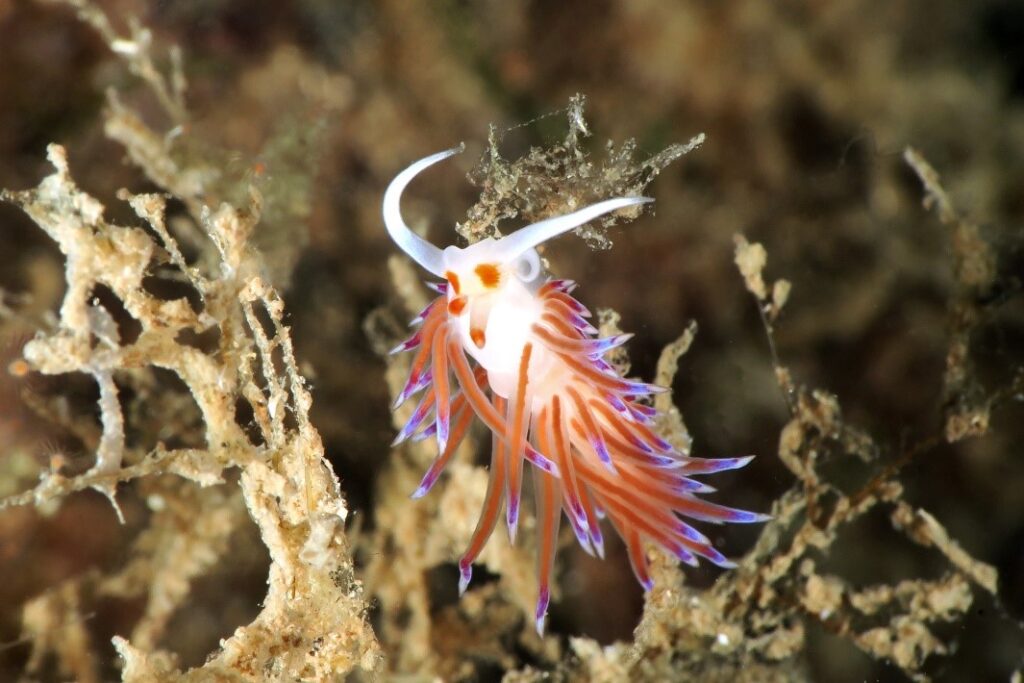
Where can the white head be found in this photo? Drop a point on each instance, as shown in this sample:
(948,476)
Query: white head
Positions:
(514,255)
(491,284)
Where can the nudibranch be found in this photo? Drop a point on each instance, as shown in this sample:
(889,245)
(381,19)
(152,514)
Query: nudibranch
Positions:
(507,345)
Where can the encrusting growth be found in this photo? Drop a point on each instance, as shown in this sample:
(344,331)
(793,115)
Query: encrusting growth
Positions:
(528,364)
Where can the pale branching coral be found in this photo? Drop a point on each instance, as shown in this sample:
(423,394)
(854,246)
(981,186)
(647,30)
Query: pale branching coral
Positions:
(311,624)
(287,485)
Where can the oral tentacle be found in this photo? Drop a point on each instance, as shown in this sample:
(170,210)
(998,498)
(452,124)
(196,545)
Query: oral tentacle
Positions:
(524,239)
(417,248)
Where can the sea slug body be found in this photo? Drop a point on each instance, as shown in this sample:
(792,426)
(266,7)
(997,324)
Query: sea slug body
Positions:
(507,345)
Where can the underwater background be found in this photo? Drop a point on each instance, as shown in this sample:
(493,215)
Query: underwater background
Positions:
(848,240)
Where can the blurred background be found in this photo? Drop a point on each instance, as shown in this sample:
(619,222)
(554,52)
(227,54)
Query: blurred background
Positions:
(807,107)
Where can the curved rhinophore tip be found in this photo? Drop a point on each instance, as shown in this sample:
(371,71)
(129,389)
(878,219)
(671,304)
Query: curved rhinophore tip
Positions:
(418,249)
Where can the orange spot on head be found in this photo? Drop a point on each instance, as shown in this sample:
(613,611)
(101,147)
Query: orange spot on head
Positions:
(489,275)
(477,335)
(457,305)
(453,280)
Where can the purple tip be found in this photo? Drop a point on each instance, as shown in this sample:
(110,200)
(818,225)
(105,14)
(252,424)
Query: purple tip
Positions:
(664,462)
(579,522)
(603,455)
(442,424)
(541,461)
(542,610)
(426,433)
(644,389)
(618,340)
(597,538)
(712,465)
(414,384)
(691,534)
(684,485)
(563,285)
(560,285)
(429,479)
(663,445)
(439,287)
(618,404)
(410,343)
(686,557)
(719,559)
(413,424)
(648,584)
(422,315)
(512,518)
(582,537)
(578,513)
(582,324)
(646,411)
(578,309)
(745,517)
(465,575)
(642,445)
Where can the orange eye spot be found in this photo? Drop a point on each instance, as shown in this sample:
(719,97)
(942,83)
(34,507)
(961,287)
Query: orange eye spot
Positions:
(477,335)
(457,306)
(489,275)
(453,280)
